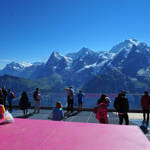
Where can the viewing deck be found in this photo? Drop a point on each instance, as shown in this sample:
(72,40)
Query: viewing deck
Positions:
(83,117)
(78,131)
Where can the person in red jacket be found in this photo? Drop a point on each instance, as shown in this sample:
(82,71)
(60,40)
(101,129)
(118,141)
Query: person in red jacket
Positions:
(145,103)
(101,114)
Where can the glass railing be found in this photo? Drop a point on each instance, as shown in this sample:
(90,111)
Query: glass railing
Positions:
(90,100)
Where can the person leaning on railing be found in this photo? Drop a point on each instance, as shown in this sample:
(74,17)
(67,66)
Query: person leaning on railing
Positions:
(70,98)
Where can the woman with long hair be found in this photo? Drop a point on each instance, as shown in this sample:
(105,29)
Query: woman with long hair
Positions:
(24,103)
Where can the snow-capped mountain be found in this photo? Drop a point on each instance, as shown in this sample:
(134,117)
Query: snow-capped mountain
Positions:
(20,69)
(76,68)
(17,66)
(130,57)
(58,61)
(133,57)
(82,52)
(127,44)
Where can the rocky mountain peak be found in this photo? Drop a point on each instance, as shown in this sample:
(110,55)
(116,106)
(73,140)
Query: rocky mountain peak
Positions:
(127,44)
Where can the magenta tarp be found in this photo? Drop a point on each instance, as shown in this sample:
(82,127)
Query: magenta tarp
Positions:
(28,134)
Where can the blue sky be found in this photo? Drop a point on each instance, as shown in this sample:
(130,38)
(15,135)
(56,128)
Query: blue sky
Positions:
(31,29)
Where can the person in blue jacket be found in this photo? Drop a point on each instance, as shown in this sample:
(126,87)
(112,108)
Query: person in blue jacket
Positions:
(58,113)
(80,96)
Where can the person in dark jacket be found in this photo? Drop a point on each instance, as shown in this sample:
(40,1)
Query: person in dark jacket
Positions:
(122,107)
(24,103)
(10,97)
(145,104)
(4,91)
(1,97)
(70,98)
(58,113)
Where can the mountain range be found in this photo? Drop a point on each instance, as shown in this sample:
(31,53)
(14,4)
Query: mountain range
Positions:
(125,67)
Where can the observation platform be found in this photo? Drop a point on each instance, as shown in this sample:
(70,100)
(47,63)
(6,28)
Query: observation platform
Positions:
(78,131)
(83,116)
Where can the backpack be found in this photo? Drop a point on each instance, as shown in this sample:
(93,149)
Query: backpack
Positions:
(12,94)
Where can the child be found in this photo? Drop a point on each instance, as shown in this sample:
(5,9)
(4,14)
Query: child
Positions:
(102,111)
(58,113)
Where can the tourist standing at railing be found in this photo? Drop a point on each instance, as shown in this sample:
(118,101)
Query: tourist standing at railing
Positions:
(4,91)
(101,114)
(58,113)
(1,97)
(80,96)
(122,107)
(37,98)
(24,103)
(70,98)
(10,97)
(145,103)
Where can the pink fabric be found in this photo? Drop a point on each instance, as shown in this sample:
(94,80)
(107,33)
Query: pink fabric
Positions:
(27,134)
(102,112)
